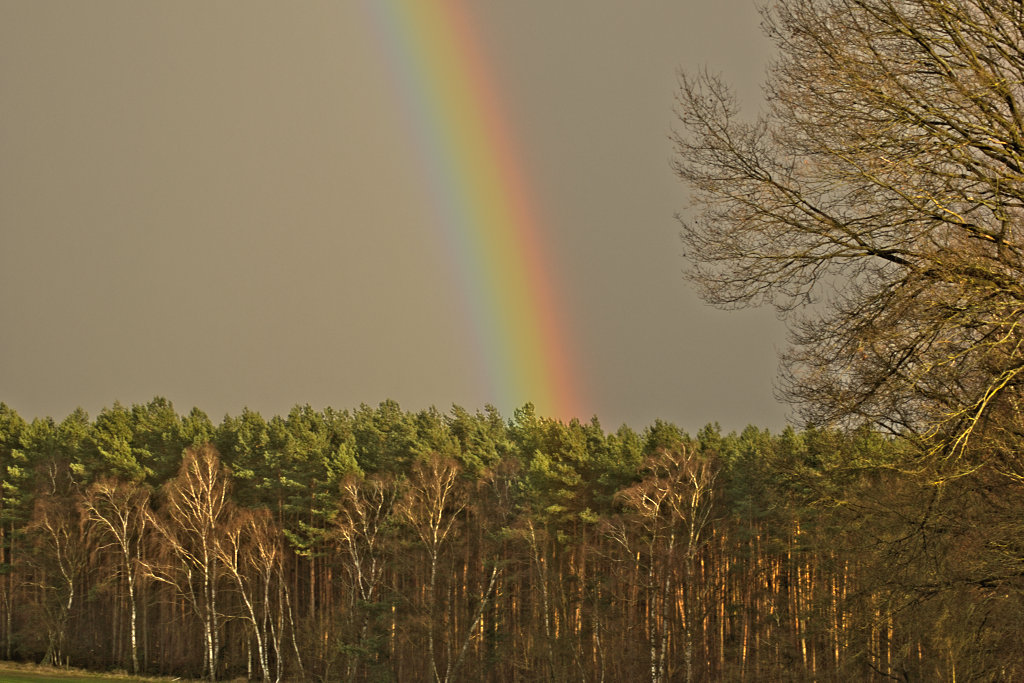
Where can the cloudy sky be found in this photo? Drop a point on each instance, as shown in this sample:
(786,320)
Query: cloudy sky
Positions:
(223,203)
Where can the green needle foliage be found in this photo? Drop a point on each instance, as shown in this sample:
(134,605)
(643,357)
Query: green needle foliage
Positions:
(382,544)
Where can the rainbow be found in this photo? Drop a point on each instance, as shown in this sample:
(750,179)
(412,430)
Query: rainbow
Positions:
(483,201)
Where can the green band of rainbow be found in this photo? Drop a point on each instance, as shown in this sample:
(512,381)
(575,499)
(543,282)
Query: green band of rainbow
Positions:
(485,205)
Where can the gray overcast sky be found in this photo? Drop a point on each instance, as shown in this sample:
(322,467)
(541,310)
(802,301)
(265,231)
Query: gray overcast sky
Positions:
(216,202)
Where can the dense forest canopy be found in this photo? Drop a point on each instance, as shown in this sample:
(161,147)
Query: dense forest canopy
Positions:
(381,544)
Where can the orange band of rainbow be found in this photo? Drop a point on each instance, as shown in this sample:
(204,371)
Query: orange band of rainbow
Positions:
(477,179)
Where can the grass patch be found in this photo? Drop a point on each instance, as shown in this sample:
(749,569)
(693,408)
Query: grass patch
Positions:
(15,672)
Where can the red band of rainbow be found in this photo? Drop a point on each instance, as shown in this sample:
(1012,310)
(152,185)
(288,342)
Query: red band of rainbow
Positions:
(484,200)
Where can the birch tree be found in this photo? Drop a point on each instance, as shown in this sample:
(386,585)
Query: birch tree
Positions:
(671,511)
(62,553)
(197,514)
(361,528)
(118,510)
(250,551)
(433,503)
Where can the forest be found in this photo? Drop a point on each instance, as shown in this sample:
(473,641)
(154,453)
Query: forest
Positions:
(381,544)
(874,200)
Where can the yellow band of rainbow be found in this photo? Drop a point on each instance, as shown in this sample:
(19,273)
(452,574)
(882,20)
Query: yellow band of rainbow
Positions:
(484,200)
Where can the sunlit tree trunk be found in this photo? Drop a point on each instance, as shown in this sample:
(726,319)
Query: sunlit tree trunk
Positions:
(540,564)
(365,510)
(432,505)
(198,510)
(670,507)
(64,538)
(237,552)
(119,510)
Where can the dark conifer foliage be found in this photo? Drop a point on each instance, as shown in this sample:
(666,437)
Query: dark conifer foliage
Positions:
(380,544)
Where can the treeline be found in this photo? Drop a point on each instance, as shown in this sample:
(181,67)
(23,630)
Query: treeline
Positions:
(381,544)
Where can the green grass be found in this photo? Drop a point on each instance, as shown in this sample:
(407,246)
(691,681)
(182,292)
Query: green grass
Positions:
(11,672)
(20,677)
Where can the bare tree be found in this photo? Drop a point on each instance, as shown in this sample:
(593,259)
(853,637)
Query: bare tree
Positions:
(885,181)
(250,552)
(670,514)
(118,509)
(433,503)
(64,550)
(365,513)
(197,516)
